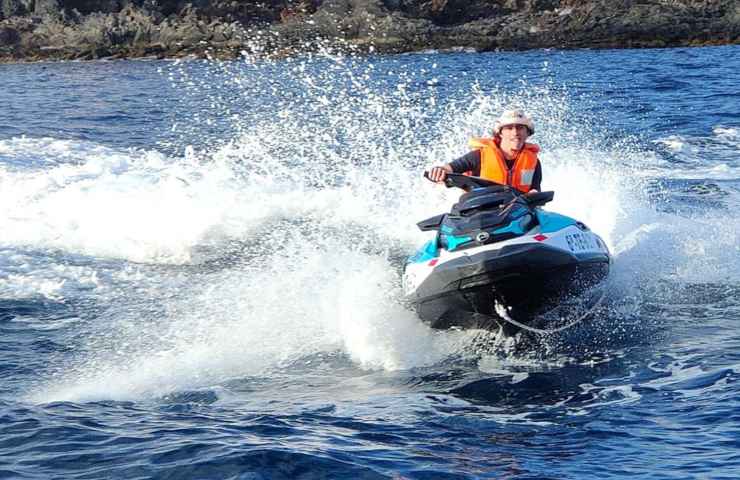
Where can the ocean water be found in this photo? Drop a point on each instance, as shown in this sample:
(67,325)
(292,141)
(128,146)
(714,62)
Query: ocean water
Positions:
(200,269)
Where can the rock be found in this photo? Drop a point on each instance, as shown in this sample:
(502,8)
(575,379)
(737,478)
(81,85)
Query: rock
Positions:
(9,36)
(47,7)
(86,7)
(38,29)
(11,8)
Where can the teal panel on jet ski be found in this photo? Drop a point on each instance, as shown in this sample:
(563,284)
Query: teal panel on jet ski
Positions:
(426,252)
(552,222)
(453,242)
(516,227)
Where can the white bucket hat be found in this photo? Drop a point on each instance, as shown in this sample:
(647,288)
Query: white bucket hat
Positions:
(513,117)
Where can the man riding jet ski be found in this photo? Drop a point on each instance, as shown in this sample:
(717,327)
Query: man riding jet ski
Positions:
(498,260)
(506,158)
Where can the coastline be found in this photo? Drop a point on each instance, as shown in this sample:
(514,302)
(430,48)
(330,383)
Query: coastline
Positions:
(50,30)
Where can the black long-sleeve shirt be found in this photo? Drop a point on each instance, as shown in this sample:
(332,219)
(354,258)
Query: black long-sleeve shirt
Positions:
(470,162)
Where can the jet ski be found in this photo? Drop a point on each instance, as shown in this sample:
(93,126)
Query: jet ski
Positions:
(499,261)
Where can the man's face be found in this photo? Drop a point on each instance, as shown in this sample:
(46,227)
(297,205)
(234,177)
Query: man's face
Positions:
(514,135)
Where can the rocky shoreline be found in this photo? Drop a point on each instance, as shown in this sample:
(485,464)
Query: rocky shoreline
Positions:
(33,30)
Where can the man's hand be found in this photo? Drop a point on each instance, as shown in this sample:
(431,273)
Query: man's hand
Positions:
(532,192)
(438,174)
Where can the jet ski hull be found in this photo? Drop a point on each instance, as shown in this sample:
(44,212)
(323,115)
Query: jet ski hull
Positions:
(498,260)
(526,279)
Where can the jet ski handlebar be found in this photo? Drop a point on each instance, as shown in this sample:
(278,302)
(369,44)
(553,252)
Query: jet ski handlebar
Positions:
(467,182)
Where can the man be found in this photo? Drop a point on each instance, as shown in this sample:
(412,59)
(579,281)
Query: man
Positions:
(506,158)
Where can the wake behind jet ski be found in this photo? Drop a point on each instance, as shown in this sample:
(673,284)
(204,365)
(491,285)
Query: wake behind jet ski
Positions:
(499,261)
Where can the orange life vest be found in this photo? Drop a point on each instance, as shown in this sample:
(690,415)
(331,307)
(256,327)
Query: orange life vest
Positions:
(493,164)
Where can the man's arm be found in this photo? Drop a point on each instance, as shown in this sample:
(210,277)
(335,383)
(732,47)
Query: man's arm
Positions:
(537,179)
(470,162)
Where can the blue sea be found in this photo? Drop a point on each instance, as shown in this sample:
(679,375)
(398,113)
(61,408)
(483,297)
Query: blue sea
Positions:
(200,269)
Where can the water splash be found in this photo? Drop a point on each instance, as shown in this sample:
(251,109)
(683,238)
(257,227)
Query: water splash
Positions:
(284,238)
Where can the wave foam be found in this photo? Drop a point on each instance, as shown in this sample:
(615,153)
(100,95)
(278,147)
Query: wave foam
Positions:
(290,235)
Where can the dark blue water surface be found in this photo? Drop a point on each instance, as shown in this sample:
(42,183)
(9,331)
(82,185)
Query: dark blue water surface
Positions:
(200,269)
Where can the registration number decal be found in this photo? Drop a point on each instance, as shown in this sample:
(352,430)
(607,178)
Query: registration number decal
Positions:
(578,242)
